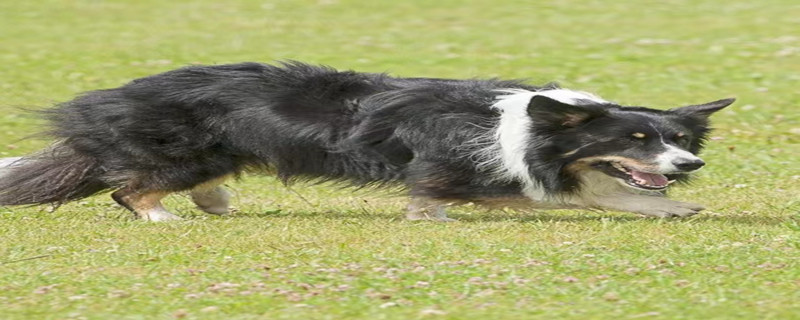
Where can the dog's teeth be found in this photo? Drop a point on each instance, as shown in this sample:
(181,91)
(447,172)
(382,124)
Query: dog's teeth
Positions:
(670,182)
(619,167)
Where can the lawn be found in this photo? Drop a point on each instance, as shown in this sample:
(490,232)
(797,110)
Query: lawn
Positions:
(323,252)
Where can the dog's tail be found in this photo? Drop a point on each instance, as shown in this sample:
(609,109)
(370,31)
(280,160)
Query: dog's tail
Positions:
(56,175)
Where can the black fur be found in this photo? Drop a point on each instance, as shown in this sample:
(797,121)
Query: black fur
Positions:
(173,131)
(178,129)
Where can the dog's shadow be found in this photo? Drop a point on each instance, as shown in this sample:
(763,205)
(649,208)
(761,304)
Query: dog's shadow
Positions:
(526,217)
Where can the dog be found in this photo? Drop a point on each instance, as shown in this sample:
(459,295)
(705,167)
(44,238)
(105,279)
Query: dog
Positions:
(448,142)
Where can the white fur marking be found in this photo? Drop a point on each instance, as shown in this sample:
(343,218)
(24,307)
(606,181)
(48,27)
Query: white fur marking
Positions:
(507,153)
(561,95)
(6,164)
(666,158)
(158,213)
(10,162)
(673,153)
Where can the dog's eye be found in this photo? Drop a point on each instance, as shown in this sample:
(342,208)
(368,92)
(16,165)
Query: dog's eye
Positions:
(638,135)
(681,138)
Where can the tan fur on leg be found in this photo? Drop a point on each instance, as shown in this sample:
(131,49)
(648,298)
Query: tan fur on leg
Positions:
(147,205)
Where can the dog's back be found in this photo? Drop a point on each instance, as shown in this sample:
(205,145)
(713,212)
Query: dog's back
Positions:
(181,129)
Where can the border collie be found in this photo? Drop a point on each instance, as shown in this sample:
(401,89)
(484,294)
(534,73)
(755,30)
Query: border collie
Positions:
(490,142)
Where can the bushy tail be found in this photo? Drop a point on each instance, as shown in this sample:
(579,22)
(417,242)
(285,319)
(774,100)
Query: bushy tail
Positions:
(56,175)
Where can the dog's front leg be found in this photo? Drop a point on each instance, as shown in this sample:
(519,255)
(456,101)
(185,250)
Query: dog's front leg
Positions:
(653,206)
(422,208)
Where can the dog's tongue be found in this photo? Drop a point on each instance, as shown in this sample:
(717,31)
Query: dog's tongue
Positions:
(650,179)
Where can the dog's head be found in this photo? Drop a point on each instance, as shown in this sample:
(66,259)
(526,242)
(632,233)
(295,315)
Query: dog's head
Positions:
(641,148)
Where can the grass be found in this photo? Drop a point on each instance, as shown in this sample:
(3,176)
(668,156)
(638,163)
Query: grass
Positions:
(346,254)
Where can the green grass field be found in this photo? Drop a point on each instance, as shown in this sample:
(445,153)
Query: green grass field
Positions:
(340,254)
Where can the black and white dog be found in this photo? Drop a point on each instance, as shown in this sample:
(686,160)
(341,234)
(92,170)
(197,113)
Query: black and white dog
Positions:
(489,142)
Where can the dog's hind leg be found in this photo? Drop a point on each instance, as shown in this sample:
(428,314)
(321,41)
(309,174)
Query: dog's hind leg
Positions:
(211,197)
(422,208)
(146,205)
(142,191)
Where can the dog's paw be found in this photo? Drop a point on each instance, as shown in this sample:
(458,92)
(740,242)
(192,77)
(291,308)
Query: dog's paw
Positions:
(651,206)
(672,209)
(214,201)
(427,209)
(158,214)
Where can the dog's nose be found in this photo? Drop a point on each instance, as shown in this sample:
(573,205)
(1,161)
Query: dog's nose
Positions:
(684,164)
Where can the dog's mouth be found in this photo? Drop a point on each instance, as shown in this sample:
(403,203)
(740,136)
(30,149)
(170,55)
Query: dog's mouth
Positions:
(633,177)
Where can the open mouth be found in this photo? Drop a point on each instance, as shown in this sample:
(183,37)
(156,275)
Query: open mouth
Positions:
(632,177)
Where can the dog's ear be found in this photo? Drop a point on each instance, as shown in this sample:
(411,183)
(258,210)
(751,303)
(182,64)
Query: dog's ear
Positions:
(703,110)
(548,110)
